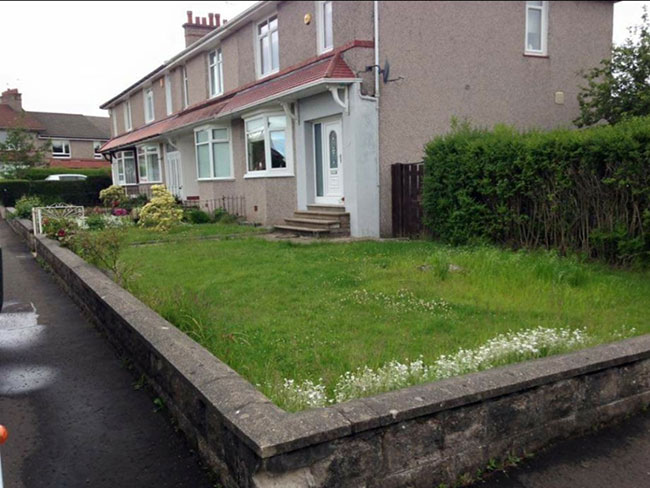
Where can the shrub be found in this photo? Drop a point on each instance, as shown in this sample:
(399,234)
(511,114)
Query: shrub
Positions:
(37,174)
(221,215)
(113,196)
(95,222)
(584,191)
(103,249)
(24,206)
(135,202)
(61,229)
(74,192)
(162,212)
(197,216)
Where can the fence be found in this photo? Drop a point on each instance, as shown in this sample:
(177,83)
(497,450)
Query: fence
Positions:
(58,211)
(234,205)
(407,198)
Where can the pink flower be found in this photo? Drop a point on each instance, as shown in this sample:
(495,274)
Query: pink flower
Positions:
(61,233)
(120,212)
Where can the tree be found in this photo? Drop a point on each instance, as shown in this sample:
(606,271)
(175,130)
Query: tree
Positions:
(619,87)
(19,150)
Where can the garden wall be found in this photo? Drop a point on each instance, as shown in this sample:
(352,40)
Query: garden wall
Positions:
(416,437)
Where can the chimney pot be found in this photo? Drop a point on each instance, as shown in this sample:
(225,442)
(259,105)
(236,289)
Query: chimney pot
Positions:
(217,20)
(211,19)
(225,21)
(189,16)
(197,20)
(204,21)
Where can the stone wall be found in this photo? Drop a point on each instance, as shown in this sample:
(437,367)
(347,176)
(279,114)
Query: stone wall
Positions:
(416,437)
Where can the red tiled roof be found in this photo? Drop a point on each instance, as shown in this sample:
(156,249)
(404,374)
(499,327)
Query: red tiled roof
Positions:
(9,118)
(329,65)
(79,163)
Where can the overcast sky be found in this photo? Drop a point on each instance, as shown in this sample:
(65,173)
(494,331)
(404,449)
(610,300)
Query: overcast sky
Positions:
(73,56)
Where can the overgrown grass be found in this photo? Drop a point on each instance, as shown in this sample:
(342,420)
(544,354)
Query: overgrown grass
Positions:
(183,232)
(276,310)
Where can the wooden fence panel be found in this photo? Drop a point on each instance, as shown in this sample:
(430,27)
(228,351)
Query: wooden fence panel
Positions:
(406,197)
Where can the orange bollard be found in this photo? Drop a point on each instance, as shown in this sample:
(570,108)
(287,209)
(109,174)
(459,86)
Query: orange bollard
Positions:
(4,433)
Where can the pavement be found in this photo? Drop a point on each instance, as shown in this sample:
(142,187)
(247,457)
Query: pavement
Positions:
(74,413)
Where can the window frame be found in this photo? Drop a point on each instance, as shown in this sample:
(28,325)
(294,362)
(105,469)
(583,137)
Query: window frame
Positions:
(209,143)
(270,172)
(128,120)
(63,155)
(259,55)
(215,68)
(169,108)
(321,27)
(145,149)
(96,145)
(146,94)
(112,113)
(543,52)
(186,87)
(120,158)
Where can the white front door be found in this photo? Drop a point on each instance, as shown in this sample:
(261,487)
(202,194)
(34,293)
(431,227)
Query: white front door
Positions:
(328,159)
(174,174)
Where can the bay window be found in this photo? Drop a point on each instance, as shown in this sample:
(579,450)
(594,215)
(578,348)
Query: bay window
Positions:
(60,149)
(149,164)
(125,173)
(268,47)
(213,159)
(536,28)
(215,69)
(266,145)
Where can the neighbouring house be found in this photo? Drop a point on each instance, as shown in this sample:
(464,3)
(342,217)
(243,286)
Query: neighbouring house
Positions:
(301,108)
(74,139)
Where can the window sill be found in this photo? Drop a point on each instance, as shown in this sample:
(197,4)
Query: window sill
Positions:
(60,157)
(535,55)
(229,178)
(150,182)
(264,174)
(266,75)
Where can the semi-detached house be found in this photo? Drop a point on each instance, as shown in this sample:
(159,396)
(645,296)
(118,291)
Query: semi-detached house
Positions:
(290,105)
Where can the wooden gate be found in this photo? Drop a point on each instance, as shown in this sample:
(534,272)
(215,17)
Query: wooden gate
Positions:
(407,196)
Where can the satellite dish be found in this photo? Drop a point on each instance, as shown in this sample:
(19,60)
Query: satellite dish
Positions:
(386,71)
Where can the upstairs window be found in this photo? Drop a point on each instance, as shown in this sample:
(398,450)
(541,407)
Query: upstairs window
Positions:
(325,32)
(268,46)
(149,164)
(60,149)
(113,115)
(266,145)
(168,94)
(148,105)
(96,153)
(128,124)
(536,28)
(213,153)
(215,64)
(186,88)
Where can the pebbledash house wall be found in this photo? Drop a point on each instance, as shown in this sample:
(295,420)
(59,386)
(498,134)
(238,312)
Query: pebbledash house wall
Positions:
(466,59)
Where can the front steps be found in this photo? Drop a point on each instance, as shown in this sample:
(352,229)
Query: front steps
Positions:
(318,221)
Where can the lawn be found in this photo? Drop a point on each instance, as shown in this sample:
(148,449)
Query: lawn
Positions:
(278,310)
(140,235)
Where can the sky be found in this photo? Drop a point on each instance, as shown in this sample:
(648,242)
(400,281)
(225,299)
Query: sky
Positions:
(73,56)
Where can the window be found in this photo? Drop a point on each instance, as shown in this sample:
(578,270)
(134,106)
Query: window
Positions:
(60,149)
(113,117)
(168,94)
(324,22)
(213,153)
(215,63)
(266,145)
(149,164)
(128,124)
(96,153)
(148,105)
(125,168)
(186,88)
(268,46)
(536,27)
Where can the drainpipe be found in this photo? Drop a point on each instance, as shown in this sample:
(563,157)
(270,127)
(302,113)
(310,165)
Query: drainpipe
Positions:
(376,18)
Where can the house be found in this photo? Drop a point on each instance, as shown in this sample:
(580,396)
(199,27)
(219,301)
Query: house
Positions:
(74,139)
(301,108)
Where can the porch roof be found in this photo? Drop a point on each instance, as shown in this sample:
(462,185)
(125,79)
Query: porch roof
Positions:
(329,66)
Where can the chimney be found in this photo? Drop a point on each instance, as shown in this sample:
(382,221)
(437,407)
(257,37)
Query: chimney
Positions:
(196,27)
(13,98)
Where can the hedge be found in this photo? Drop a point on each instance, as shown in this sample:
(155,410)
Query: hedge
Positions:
(584,191)
(74,192)
(42,173)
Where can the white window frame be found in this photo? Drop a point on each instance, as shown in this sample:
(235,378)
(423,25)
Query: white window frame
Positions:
(209,142)
(120,163)
(168,95)
(259,55)
(112,113)
(63,155)
(215,70)
(97,145)
(128,120)
(543,30)
(145,149)
(271,172)
(186,87)
(147,95)
(320,26)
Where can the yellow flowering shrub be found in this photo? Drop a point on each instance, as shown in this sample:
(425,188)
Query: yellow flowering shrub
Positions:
(112,196)
(161,213)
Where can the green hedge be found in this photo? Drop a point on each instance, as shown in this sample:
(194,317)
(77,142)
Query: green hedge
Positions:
(42,173)
(586,191)
(75,192)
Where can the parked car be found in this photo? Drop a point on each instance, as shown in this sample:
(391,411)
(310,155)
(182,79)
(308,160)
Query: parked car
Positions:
(66,177)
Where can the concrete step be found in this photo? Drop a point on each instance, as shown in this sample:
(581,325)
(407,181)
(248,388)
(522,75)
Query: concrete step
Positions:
(326,208)
(313,214)
(314,223)
(297,229)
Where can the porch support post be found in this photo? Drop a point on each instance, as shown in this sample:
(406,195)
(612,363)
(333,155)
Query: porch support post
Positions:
(292,114)
(345,103)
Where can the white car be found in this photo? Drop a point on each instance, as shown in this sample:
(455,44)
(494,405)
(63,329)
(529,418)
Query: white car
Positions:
(66,177)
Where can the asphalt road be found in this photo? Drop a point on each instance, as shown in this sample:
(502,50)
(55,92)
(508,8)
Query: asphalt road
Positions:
(73,413)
